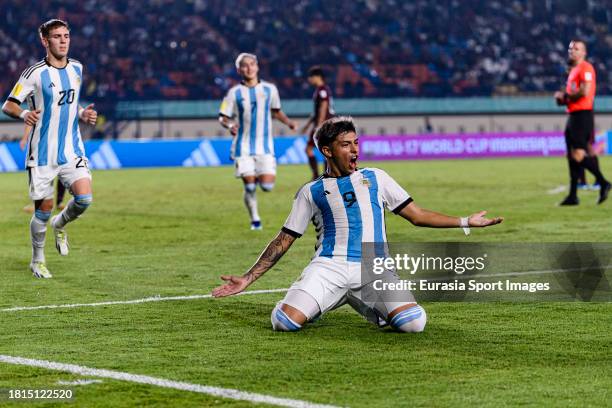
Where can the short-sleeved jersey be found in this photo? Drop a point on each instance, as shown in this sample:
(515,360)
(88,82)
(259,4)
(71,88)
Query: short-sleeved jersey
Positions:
(252,106)
(56,138)
(346,211)
(581,73)
(323,93)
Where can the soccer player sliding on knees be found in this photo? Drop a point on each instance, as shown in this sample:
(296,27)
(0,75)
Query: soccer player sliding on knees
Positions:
(346,206)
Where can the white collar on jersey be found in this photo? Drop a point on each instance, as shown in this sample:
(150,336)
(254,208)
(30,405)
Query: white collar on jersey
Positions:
(67,62)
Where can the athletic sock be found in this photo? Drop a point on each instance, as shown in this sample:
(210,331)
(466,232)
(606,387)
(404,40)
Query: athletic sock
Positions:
(574,168)
(582,177)
(592,165)
(73,210)
(38,231)
(250,200)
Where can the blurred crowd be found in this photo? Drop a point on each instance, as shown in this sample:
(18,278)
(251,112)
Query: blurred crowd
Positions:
(185,49)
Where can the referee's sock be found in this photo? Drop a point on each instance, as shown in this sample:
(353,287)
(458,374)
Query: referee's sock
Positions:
(592,164)
(574,168)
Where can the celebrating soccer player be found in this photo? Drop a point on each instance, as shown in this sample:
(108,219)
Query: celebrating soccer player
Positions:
(55,149)
(578,97)
(253,103)
(323,110)
(346,206)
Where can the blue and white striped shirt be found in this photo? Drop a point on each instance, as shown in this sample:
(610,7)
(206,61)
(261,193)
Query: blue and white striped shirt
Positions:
(56,138)
(346,211)
(252,108)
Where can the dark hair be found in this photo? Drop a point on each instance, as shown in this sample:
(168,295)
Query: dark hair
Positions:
(332,128)
(316,71)
(46,27)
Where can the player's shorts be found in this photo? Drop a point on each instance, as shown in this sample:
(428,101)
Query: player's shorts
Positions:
(592,138)
(255,165)
(333,283)
(580,129)
(41,177)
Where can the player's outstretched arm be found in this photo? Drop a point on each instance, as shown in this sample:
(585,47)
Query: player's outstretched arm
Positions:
(280,116)
(268,258)
(422,217)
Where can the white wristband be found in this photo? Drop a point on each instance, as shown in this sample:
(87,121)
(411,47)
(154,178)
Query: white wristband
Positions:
(23,114)
(465,224)
(81,110)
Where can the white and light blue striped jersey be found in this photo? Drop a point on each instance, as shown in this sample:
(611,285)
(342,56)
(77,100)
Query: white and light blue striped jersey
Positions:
(56,138)
(346,211)
(251,106)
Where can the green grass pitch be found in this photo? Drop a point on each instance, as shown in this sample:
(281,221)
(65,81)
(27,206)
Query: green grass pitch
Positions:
(172,232)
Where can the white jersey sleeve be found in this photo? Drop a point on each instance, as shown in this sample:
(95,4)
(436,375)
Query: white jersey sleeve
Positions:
(394,196)
(301,213)
(228,106)
(275,102)
(24,87)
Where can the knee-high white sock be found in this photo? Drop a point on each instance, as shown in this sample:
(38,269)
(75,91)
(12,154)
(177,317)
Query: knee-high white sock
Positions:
(73,210)
(250,200)
(38,231)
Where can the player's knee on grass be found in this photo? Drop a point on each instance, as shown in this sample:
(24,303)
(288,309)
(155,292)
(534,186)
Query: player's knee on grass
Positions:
(282,322)
(267,186)
(297,308)
(411,320)
(250,187)
(42,215)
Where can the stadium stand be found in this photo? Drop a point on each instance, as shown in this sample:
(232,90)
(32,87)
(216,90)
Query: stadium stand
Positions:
(169,49)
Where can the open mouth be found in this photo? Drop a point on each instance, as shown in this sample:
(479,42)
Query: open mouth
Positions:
(353,161)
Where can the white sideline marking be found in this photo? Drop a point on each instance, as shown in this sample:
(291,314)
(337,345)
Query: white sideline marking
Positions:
(161,382)
(557,190)
(80,382)
(135,301)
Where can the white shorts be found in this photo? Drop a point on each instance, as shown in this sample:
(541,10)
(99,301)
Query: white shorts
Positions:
(255,165)
(41,177)
(332,283)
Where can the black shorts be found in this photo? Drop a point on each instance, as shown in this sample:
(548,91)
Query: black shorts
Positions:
(580,129)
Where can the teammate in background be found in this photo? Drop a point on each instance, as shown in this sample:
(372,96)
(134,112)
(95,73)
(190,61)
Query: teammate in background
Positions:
(578,97)
(247,111)
(323,110)
(55,149)
(60,189)
(346,206)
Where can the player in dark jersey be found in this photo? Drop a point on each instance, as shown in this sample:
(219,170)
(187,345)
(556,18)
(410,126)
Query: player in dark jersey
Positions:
(323,110)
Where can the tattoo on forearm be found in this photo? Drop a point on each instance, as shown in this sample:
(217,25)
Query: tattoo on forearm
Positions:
(273,252)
